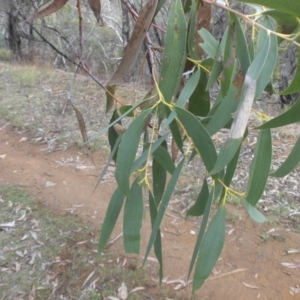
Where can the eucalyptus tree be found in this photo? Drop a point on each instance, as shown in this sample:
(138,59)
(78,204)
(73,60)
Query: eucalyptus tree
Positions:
(183,112)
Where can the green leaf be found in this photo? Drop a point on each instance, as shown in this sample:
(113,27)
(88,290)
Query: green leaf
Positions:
(176,134)
(112,134)
(224,111)
(254,213)
(226,154)
(199,103)
(210,249)
(241,45)
(231,167)
(163,206)
(163,157)
(111,89)
(286,23)
(175,52)
(210,45)
(117,120)
(132,220)
(199,207)
(191,30)
(271,59)
(202,230)
(160,4)
(111,216)
(125,108)
(127,151)
(142,159)
(289,117)
(228,61)
(230,170)
(294,87)
(157,242)
(188,89)
(200,137)
(260,167)
(259,61)
(291,7)
(159,177)
(215,73)
(290,163)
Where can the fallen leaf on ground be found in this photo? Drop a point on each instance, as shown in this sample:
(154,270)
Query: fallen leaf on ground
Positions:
(8,224)
(250,286)
(123,291)
(291,265)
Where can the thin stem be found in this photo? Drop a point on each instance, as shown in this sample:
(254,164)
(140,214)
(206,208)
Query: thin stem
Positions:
(252,22)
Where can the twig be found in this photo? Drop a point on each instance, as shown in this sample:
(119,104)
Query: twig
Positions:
(253,23)
(113,240)
(226,274)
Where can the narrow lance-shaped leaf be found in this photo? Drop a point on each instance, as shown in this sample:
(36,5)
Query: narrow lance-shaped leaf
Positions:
(254,213)
(203,22)
(175,52)
(241,45)
(238,127)
(229,59)
(260,166)
(271,59)
(142,159)
(286,23)
(163,157)
(199,102)
(110,92)
(199,207)
(50,9)
(202,229)
(112,123)
(228,105)
(188,89)
(210,249)
(251,83)
(200,137)
(135,42)
(159,175)
(289,117)
(111,216)
(290,163)
(112,134)
(191,31)
(231,167)
(127,151)
(157,242)
(163,206)
(210,44)
(132,220)
(291,7)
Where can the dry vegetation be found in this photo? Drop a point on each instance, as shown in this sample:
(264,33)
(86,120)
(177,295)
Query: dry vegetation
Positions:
(34,241)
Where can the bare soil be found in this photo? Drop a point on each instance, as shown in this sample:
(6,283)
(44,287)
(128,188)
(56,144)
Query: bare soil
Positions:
(250,266)
(39,151)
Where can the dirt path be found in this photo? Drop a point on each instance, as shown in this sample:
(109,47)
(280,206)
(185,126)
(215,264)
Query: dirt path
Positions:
(254,253)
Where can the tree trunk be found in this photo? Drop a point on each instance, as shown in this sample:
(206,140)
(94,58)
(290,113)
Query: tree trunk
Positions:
(12,33)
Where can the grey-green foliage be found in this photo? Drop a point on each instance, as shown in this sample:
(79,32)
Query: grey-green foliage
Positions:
(243,65)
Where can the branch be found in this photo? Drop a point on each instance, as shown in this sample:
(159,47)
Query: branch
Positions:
(252,22)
